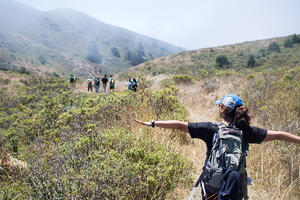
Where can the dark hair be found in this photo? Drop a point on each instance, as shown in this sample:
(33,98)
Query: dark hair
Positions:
(238,117)
(241,118)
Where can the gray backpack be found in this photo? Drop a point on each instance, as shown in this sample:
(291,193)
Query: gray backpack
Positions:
(228,152)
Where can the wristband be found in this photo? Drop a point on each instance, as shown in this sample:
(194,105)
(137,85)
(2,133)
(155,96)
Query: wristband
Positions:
(152,123)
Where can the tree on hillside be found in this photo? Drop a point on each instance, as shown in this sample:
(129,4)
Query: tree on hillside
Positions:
(262,52)
(137,59)
(221,61)
(274,47)
(42,60)
(134,58)
(295,39)
(115,52)
(251,61)
(128,55)
(140,50)
(23,70)
(93,54)
(288,43)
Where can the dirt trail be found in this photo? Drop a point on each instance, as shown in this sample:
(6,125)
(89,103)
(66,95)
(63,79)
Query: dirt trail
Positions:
(199,99)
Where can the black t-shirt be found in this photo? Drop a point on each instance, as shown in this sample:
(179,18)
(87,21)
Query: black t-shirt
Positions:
(206,131)
(104,80)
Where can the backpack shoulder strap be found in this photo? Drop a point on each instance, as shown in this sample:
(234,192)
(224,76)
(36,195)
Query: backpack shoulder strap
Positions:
(208,151)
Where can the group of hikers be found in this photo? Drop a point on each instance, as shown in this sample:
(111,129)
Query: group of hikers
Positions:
(95,82)
(132,83)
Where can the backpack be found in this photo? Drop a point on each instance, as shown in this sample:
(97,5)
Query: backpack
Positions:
(72,79)
(111,81)
(90,82)
(228,152)
(132,86)
(97,81)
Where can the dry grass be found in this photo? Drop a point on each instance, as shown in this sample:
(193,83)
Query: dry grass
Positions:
(13,80)
(200,98)
(271,173)
(9,165)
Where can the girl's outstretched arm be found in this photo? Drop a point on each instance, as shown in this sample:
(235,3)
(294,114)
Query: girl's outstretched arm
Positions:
(281,135)
(171,124)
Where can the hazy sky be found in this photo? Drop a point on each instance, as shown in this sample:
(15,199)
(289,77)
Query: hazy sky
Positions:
(191,24)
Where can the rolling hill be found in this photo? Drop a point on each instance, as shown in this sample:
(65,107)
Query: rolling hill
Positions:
(64,40)
(260,54)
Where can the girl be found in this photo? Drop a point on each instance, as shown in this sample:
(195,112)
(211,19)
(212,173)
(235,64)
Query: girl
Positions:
(233,114)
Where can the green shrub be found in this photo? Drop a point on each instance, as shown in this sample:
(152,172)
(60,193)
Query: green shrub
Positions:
(113,164)
(74,147)
(167,82)
(23,70)
(288,43)
(251,61)
(4,81)
(182,79)
(221,61)
(274,47)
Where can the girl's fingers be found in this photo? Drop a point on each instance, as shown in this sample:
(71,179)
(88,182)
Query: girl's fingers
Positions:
(138,121)
(143,123)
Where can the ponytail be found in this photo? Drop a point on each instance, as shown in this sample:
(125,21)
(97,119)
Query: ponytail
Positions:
(241,118)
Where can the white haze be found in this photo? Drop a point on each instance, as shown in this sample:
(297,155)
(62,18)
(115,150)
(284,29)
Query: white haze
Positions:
(191,24)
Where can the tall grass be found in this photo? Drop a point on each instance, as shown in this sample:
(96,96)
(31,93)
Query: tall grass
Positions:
(273,97)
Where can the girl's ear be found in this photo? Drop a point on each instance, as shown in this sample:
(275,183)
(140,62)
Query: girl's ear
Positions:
(222,108)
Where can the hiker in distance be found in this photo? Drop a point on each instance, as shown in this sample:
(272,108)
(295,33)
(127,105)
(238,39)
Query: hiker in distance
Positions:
(111,81)
(90,83)
(72,79)
(224,173)
(104,83)
(96,84)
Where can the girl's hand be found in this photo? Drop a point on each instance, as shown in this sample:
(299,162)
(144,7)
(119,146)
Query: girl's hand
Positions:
(143,123)
(171,124)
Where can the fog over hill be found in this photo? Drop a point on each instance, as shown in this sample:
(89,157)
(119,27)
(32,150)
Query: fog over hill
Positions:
(65,40)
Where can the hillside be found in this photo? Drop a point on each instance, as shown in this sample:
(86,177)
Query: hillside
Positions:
(64,40)
(257,55)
